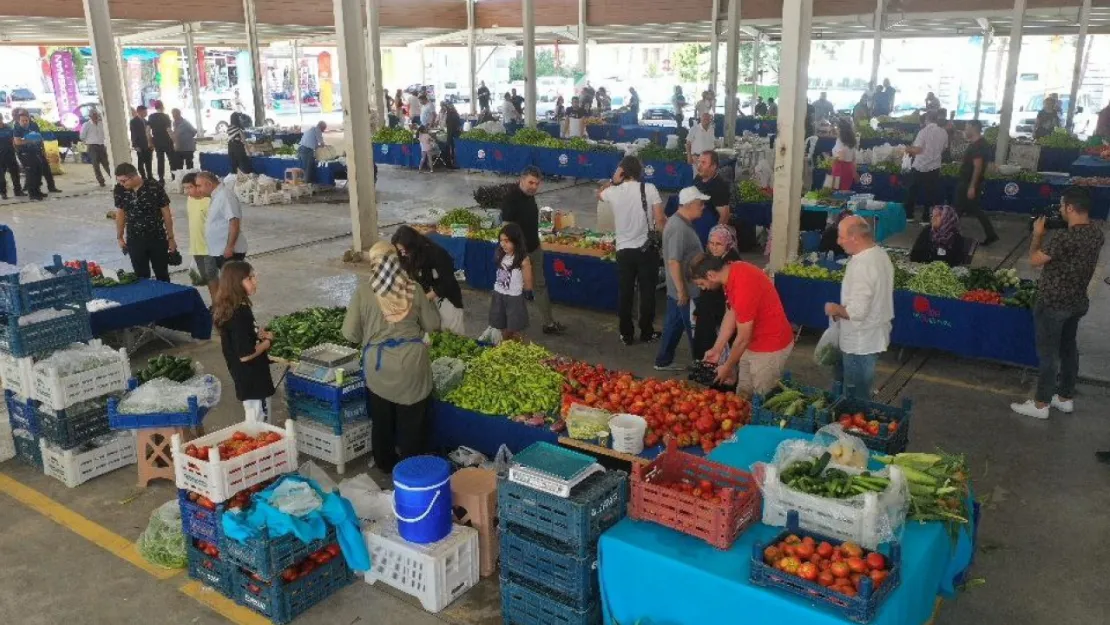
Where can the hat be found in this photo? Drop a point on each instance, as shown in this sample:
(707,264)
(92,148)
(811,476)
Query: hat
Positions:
(689,194)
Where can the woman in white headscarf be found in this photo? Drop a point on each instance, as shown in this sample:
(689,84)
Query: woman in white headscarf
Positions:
(389,322)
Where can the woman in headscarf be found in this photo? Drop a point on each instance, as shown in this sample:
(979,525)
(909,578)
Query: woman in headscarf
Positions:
(709,306)
(941,240)
(236,148)
(389,321)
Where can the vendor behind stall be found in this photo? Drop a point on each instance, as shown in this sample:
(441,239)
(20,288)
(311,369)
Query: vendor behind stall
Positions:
(941,240)
(312,139)
(389,321)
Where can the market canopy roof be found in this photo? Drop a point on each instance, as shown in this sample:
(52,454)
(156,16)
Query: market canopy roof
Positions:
(443,22)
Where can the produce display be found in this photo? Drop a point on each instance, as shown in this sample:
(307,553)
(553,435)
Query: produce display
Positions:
(460,217)
(1091,181)
(239,444)
(93,269)
(983,296)
(306,328)
(750,191)
(285,150)
(394,135)
(536,138)
(308,565)
(656,152)
(938,486)
(1020,176)
(1061,138)
(816,477)
(451,345)
(175,368)
(485,136)
(238,501)
(867,424)
(786,399)
(509,379)
(701,488)
(812,272)
(1100,151)
(839,568)
(492,195)
(604,243)
(1024,297)
(936,278)
(122,278)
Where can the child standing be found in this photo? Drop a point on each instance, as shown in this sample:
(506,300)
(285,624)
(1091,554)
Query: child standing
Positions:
(245,346)
(512,284)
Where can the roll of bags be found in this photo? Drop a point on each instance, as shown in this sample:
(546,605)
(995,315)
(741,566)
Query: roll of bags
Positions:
(422,499)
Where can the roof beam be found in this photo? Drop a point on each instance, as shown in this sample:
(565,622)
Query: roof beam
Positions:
(161,34)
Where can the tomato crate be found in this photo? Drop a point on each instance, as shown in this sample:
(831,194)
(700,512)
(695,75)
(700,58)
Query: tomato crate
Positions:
(74,467)
(810,421)
(434,573)
(218,479)
(718,521)
(891,439)
(352,412)
(267,556)
(191,418)
(44,336)
(71,427)
(198,521)
(282,601)
(333,396)
(16,373)
(316,440)
(208,570)
(68,286)
(534,558)
(59,392)
(525,604)
(21,413)
(595,504)
(859,609)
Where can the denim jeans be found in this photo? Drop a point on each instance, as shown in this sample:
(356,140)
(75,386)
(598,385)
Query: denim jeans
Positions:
(307,158)
(676,324)
(1057,350)
(857,374)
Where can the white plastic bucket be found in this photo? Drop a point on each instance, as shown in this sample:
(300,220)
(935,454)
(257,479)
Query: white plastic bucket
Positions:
(628,433)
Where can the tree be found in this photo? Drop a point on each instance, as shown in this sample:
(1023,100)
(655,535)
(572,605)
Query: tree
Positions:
(545,66)
(688,62)
(768,59)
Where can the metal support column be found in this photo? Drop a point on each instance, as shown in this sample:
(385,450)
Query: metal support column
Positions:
(732,70)
(194,79)
(258,86)
(297,99)
(1077,69)
(877,42)
(1002,149)
(528,13)
(582,36)
(374,60)
(714,47)
(471,57)
(988,37)
(121,67)
(797,18)
(105,60)
(757,44)
(353,76)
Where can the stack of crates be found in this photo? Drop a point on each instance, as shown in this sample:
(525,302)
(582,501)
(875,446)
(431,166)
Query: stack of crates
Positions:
(332,420)
(549,549)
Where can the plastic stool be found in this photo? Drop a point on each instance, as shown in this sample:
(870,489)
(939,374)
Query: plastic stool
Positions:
(474,494)
(294,175)
(153,454)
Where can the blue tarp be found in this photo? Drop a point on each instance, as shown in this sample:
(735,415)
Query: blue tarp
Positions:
(171,306)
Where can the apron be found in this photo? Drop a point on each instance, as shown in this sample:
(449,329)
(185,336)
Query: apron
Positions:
(381,347)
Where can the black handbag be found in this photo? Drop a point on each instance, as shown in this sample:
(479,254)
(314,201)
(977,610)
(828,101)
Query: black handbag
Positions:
(654,237)
(174,258)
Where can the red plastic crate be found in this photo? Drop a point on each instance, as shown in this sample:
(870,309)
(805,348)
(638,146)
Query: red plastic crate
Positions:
(717,523)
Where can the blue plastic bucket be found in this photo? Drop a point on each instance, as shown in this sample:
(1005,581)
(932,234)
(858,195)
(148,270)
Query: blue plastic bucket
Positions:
(422,498)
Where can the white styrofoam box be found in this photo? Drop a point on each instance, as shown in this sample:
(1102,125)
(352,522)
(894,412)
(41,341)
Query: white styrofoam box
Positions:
(16,373)
(218,479)
(435,573)
(317,440)
(862,519)
(74,468)
(60,392)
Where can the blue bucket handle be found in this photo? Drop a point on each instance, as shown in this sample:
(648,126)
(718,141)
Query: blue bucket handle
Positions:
(431,505)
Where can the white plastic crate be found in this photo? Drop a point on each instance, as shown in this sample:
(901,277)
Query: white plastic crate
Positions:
(318,440)
(7,443)
(435,573)
(74,468)
(219,479)
(16,373)
(61,392)
(837,518)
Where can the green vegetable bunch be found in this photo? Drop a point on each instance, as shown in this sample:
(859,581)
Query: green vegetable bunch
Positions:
(656,152)
(750,191)
(936,278)
(296,332)
(1061,138)
(991,134)
(901,277)
(812,272)
(492,195)
(286,150)
(461,217)
(1025,297)
(122,278)
(950,170)
(815,478)
(174,368)
(451,345)
(885,167)
(1021,176)
(982,278)
(510,379)
(485,136)
(394,135)
(533,137)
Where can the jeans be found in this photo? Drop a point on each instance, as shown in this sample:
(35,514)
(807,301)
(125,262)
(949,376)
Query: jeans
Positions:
(676,323)
(924,186)
(307,158)
(1057,351)
(857,374)
(636,267)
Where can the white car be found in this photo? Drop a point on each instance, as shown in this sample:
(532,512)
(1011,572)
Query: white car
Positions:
(1086,116)
(217,109)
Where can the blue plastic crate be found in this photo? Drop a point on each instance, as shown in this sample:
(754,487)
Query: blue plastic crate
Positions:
(212,572)
(44,336)
(530,557)
(28,451)
(351,411)
(200,522)
(886,442)
(267,557)
(808,422)
(859,609)
(576,522)
(282,601)
(68,430)
(192,418)
(525,605)
(21,413)
(334,396)
(66,288)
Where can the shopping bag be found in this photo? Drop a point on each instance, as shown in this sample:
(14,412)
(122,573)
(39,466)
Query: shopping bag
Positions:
(827,352)
(907,162)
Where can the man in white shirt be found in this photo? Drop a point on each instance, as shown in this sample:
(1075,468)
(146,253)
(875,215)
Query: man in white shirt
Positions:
(414,107)
(866,307)
(701,138)
(704,105)
(92,135)
(306,151)
(427,112)
(223,230)
(927,150)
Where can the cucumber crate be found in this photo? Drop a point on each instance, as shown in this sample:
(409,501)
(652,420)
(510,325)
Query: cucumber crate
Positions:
(191,418)
(67,286)
(595,504)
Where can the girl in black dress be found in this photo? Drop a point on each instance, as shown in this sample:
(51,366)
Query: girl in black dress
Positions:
(245,345)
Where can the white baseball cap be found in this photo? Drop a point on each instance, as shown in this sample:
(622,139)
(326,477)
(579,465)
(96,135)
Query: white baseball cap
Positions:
(689,194)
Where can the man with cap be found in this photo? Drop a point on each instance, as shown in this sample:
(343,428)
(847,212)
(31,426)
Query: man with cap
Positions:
(680,246)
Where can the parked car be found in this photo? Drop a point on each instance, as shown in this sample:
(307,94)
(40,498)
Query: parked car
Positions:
(1084,121)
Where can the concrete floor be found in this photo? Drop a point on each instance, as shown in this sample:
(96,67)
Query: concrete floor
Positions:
(1042,551)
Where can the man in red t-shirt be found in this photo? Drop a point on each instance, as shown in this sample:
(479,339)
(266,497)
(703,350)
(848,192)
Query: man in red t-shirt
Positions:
(764,338)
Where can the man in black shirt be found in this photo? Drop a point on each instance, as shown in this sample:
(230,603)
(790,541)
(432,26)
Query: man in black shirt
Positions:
(970,184)
(519,207)
(709,182)
(8,162)
(453,123)
(160,125)
(142,143)
(483,98)
(144,224)
(518,102)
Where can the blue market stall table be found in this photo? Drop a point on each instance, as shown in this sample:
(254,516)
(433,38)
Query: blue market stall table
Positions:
(147,302)
(453,427)
(574,164)
(639,562)
(1088,165)
(757,126)
(502,158)
(1057,159)
(273,166)
(627,134)
(399,154)
(969,329)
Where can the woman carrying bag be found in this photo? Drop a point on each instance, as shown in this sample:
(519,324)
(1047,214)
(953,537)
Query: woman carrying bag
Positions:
(844,157)
(434,270)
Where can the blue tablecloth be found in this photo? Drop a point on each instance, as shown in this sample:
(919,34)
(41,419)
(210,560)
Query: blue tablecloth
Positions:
(627,118)
(400,154)
(499,157)
(169,305)
(761,127)
(273,166)
(888,221)
(452,426)
(573,164)
(670,175)
(1088,165)
(7,245)
(1057,159)
(640,563)
(966,329)
(622,134)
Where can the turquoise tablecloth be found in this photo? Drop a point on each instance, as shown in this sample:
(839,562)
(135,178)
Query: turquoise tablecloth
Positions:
(888,221)
(653,575)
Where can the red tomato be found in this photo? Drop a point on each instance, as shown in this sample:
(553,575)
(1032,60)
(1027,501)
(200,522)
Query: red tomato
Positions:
(878,577)
(808,571)
(239,436)
(824,549)
(289,574)
(771,555)
(857,565)
(790,565)
(851,550)
(840,570)
(825,578)
(804,550)
(875,560)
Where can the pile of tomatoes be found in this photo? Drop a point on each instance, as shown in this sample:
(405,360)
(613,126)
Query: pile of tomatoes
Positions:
(309,564)
(703,489)
(673,409)
(238,500)
(983,296)
(840,569)
(858,423)
(239,444)
(207,548)
(94,269)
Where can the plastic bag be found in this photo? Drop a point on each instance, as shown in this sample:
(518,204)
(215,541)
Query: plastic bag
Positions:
(467,457)
(295,498)
(162,543)
(447,373)
(371,503)
(79,357)
(162,395)
(491,336)
(585,423)
(827,352)
(907,162)
(501,461)
(312,471)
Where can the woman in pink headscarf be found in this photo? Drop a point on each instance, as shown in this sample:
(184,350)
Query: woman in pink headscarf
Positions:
(941,240)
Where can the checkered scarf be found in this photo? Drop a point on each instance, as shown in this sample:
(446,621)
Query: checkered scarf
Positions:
(390,283)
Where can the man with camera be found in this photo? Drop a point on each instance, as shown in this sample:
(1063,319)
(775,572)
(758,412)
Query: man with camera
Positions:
(1068,261)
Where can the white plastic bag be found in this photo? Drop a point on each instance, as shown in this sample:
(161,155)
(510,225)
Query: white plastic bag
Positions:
(846,450)
(827,352)
(491,335)
(907,162)
(371,503)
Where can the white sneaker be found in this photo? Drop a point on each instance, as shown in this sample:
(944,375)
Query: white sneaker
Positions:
(1066,407)
(1029,408)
